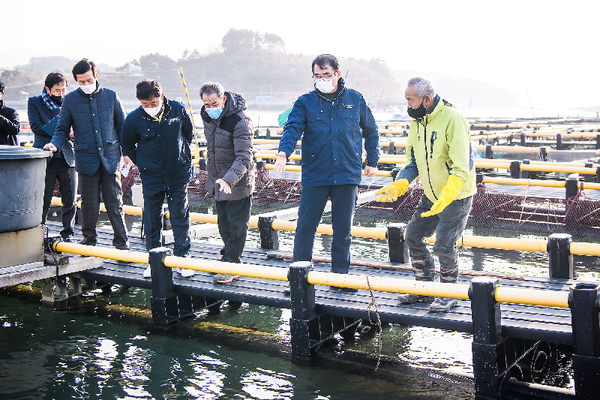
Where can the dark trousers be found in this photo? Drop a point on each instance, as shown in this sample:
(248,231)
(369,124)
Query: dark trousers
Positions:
(179,211)
(233,216)
(90,187)
(58,168)
(312,203)
(448,227)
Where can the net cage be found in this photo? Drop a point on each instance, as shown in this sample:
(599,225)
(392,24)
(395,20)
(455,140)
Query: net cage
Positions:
(494,213)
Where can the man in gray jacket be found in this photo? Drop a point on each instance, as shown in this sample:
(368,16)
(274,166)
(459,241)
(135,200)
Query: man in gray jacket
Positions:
(96,116)
(228,131)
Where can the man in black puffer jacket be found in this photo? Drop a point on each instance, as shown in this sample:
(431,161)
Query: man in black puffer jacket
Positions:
(228,131)
(157,136)
(9,122)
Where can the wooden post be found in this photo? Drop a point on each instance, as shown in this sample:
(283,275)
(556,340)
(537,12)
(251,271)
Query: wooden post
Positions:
(583,301)
(560,257)
(269,239)
(488,152)
(303,310)
(391,148)
(163,300)
(487,335)
(571,186)
(515,169)
(397,247)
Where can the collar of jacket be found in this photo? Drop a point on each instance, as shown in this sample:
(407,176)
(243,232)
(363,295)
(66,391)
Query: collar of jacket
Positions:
(165,112)
(436,110)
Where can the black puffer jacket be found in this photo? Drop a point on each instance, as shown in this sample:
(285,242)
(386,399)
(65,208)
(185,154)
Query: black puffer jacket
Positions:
(229,146)
(160,149)
(9,125)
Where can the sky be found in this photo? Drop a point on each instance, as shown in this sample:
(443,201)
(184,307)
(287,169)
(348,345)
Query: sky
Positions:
(545,52)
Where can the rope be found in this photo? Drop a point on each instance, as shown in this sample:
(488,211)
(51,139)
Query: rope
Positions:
(373,303)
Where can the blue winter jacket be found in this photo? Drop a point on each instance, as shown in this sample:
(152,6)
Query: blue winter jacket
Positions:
(97,120)
(39,115)
(332,137)
(160,148)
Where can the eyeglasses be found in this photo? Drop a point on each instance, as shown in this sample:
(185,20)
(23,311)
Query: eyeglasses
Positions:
(58,92)
(326,75)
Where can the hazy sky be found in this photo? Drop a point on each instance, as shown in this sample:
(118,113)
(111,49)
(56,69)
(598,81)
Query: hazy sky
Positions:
(547,48)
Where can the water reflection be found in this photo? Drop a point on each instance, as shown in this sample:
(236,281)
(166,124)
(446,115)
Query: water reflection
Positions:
(263,384)
(208,379)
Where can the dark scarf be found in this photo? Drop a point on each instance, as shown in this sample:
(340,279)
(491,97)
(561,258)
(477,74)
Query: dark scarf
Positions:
(48,101)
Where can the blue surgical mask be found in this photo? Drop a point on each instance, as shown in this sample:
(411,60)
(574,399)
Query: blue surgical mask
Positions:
(214,113)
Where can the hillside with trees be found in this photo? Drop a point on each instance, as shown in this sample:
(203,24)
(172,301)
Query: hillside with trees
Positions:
(251,63)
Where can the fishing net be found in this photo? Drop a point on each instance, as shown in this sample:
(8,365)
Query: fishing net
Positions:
(494,212)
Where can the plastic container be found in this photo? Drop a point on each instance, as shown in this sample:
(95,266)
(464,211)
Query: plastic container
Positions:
(22,173)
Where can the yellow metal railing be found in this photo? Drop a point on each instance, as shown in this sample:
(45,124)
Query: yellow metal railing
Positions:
(480,163)
(485,242)
(382,284)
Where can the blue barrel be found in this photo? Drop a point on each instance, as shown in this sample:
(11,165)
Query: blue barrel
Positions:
(22,173)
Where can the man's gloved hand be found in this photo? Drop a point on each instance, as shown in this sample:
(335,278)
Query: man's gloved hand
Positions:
(392,192)
(447,196)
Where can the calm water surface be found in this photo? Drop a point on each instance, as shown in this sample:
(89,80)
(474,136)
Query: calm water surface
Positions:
(94,349)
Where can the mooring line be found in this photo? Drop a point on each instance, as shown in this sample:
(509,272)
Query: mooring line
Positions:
(379,326)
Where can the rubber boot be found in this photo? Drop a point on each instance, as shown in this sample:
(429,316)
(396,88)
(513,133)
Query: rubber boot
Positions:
(424,271)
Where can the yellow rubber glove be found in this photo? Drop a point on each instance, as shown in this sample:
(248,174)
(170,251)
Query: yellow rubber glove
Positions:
(392,192)
(447,196)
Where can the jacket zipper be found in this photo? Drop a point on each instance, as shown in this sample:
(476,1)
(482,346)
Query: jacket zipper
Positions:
(427,159)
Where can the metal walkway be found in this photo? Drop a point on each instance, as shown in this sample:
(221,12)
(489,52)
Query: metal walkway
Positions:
(519,321)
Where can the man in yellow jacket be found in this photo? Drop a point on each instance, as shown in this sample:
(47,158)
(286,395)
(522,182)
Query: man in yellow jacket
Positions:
(439,151)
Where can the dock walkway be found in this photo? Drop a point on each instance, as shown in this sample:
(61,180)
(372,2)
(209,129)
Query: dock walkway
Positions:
(519,321)
(509,340)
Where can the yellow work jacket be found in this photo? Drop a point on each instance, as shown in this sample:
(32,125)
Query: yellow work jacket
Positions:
(440,145)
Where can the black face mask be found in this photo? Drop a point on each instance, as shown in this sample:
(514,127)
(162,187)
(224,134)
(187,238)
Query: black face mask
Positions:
(57,99)
(417,113)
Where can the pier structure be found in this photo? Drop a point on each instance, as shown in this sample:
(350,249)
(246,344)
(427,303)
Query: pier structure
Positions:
(521,327)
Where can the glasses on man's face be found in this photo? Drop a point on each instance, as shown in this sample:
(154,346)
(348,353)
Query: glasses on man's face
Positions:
(58,92)
(326,75)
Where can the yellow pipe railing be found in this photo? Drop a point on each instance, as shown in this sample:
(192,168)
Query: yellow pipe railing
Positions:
(220,267)
(480,163)
(102,252)
(485,242)
(365,282)
(524,182)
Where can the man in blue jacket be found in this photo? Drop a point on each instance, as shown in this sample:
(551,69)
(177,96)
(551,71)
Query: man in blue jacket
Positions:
(43,113)
(156,137)
(332,121)
(96,116)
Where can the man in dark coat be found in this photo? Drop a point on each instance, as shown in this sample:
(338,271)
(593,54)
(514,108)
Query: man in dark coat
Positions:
(228,131)
(96,116)
(9,122)
(156,137)
(43,113)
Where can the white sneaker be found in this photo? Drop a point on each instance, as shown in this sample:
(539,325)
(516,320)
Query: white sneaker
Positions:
(148,273)
(186,273)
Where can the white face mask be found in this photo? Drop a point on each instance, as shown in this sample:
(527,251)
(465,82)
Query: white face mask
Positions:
(88,89)
(325,85)
(153,111)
